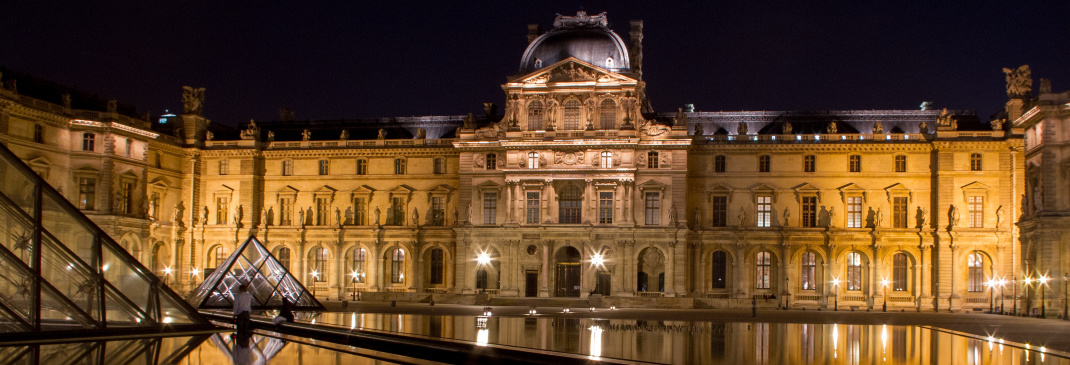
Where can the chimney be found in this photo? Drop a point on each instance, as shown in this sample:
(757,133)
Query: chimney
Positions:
(533,32)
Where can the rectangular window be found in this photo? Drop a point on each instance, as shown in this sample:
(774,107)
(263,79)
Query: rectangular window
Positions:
(719,163)
(89,141)
(976,209)
(437,261)
(399,166)
(809,163)
(605,207)
(286,211)
(532,209)
(362,166)
(221,210)
(652,160)
(653,207)
(87,193)
(129,148)
(765,211)
(490,208)
(397,211)
(492,161)
(720,211)
(156,160)
(360,211)
(533,160)
(606,160)
(854,212)
(900,163)
(975,162)
(438,211)
(855,163)
(287,168)
(126,192)
(440,166)
(764,266)
(809,211)
(323,211)
(899,212)
(325,167)
(899,272)
(38,133)
(763,163)
(224,166)
(808,276)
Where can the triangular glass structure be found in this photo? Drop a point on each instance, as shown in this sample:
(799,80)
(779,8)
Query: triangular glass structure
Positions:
(268,280)
(61,275)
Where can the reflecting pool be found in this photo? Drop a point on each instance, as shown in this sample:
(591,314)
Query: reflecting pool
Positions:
(681,342)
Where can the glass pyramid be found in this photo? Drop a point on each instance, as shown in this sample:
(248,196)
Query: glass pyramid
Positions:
(269,282)
(62,276)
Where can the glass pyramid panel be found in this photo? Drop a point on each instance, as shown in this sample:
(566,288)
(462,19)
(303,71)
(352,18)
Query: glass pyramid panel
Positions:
(268,281)
(130,351)
(70,353)
(16,355)
(83,274)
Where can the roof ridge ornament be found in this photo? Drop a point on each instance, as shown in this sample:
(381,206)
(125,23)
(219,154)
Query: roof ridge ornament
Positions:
(581,20)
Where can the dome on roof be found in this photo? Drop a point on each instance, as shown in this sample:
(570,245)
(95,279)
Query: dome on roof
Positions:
(584,37)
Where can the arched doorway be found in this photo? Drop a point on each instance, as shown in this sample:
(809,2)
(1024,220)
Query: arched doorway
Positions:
(651,271)
(488,275)
(567,262)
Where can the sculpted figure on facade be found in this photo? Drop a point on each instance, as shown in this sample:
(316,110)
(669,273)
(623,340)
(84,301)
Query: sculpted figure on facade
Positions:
(306,135)
(208,136)
(469,122)
(696,218)
(672,214)
(681,117)
(192,100)
(300,217)
(377,212)
(999,216)
(953,215)
(421,133)
(153,202)
(832,217)
(920,215)
(415,217)
(176,216)
(204,215)
(1019,82)
(345,135)
(832,128)
(923,127)
(698,130)
(337,216)
(742,217)
(238,215)
(877,218)
(348,216)
(786,128)
(878,128)
(787,214)
(271,136)
(652,129)
(945,119)
(66,100)
(741,128)
(251,131)
(997,123)
(468,213)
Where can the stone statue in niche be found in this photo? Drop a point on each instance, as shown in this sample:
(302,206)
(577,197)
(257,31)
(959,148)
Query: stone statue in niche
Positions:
(877,218)
(742,216)
(832,217)
(672,214)
(415,217)
(696,219)
(377,212)
(154,202)
(337,216)
(176,216)
(300,217)
(1019,82)
(787,214)
(192,100)
(468,213)
(953,215)
(878,128)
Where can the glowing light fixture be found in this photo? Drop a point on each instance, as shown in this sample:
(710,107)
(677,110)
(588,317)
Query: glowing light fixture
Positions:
(483,258)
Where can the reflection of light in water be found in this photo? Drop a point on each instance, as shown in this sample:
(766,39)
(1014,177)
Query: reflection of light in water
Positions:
(884,341)
(596,342)
(353,321)
(1042,350)
(1027,352)
(991,342)
(835,340)
(482,337)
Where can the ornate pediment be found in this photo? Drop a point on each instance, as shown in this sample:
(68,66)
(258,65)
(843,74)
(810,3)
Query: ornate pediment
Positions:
(806,189)
(574,70)
(719,189)
(898,189)
(763,189)
(852,189)
(975,188)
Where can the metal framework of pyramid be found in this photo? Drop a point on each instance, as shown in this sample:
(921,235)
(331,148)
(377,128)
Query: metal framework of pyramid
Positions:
(62,276)
(268,281)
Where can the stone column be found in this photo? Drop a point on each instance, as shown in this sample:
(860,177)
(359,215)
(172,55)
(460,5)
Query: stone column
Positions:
(544,278)
(509,201)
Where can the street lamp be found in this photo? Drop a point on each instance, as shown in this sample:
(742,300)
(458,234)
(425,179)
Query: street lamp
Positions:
(315,276)
(166,273)
(835,294)
(991,294)
(1002,287)
(884,284)
(1043,295)
(1014,293)
(1066,306)
(354,275)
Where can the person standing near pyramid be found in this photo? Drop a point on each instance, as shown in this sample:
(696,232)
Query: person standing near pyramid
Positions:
(243,303)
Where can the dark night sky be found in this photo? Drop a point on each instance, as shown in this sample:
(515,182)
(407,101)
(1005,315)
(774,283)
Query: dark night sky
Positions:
(335,59)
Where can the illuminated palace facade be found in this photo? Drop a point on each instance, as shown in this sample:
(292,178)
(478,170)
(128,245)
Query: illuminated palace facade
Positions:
(577,187)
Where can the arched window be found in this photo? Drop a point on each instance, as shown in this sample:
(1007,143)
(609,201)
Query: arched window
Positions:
(437,264)
(607,160)
(720,270)
(975,263)
(283,255)
(899,272)
(215,258)
(764,265)
(535,115)
(808,276)
(319,265)
(397,269)
(533,160)
(356,269)
(572,115)
(652,159)
(854,271)
(570,202)
(608,114)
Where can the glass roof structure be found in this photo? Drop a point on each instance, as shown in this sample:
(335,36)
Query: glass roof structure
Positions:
(62,276)
(268,281)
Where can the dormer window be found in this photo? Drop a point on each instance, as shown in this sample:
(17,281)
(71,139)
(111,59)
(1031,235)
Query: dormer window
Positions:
(538,63)
(609,62)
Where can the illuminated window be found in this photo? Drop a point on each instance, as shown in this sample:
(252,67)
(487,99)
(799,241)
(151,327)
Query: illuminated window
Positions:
(809,271)
(854,212)
(975,264)
(899,272)
(569,203)
(356,270)
(397,268)
(809,163)
(975,206)
(607,159)
(975,162)
(87,193)
(319,264)
(900,163)
(809,211)
(221,209)
(608,114)
(532,209)
(572,115)
(763,163)
(764,210)
(605,207)
(764,264)
(533,160)
(535,115)
(854,271)
(653,207)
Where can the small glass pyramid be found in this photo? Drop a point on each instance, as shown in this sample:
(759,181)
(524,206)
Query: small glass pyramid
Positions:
(61,275)
(268,281)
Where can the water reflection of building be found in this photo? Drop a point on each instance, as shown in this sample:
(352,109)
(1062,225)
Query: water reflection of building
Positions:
(578,186)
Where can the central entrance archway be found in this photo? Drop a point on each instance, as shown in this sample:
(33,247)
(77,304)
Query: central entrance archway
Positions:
(568,272)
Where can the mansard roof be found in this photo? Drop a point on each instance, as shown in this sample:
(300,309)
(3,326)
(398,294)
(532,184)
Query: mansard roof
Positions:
(816,122)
